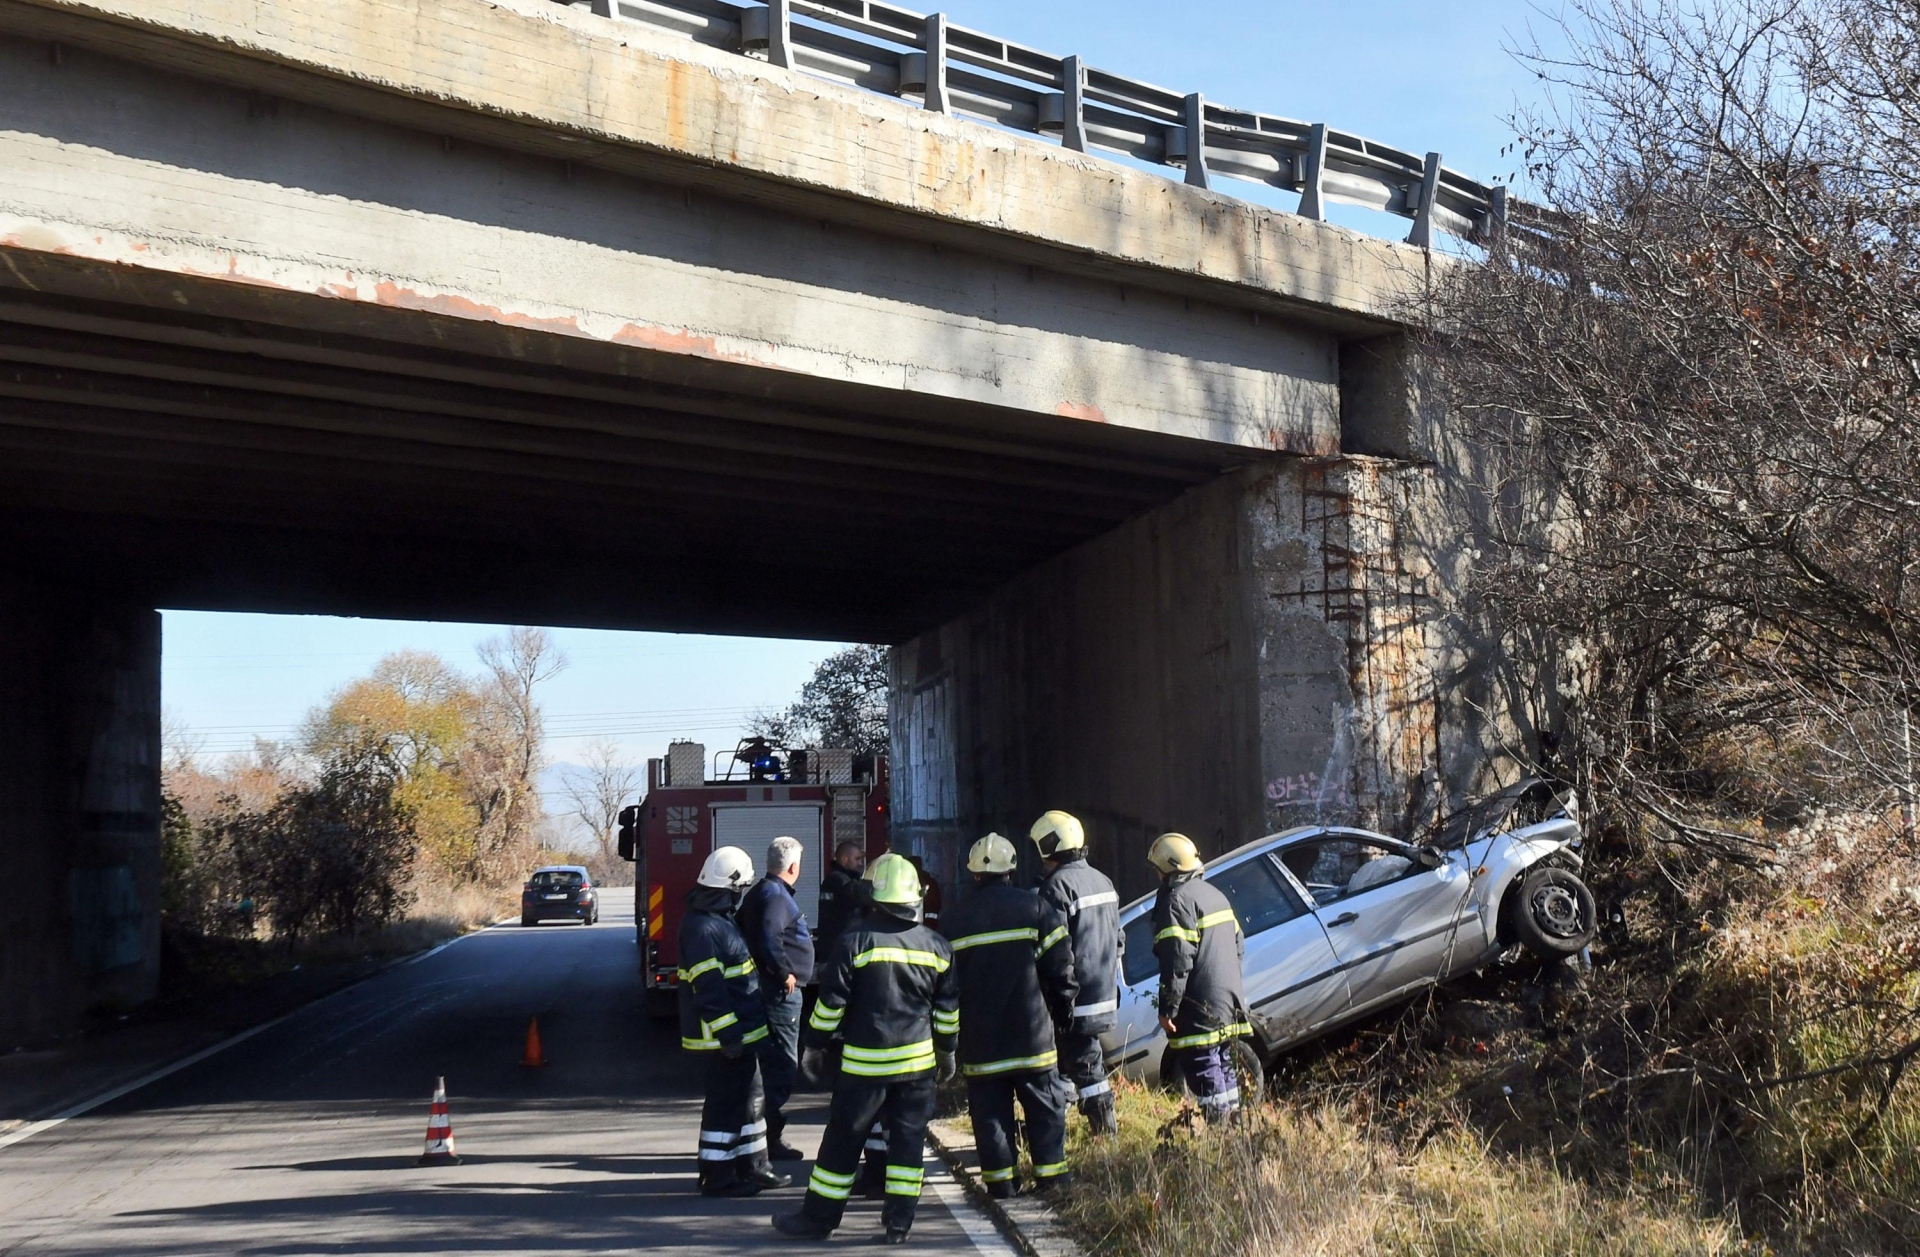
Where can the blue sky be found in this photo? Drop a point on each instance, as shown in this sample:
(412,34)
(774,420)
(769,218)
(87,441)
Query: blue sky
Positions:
(1418,76)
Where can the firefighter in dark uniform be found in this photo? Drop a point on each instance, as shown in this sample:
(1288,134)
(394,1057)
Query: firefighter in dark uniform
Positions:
(889,990)
(1010,947)
(721,1017)
(1202,1008)
(1087,900)
(843,897)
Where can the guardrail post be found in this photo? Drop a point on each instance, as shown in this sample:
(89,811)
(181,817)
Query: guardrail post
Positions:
(936,98)
(1197,142)
(603,8)
(780,33)
(1073,128)
(1422,233)
(1311,206)
(1496,228)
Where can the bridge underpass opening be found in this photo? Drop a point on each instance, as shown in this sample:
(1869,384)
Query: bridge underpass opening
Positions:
(653,339)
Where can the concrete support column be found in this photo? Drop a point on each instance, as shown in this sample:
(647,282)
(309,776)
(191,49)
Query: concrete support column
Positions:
(79,806)
(1262,653)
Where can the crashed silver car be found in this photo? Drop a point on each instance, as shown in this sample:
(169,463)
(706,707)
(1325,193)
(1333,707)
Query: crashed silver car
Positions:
(1340,922)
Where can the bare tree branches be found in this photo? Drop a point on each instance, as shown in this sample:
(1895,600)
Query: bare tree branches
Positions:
(1700,430)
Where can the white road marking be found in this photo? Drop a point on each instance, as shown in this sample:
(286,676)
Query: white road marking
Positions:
(85,1106)
(978,1227)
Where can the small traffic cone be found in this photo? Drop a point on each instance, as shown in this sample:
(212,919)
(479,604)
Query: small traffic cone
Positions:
(439,1131)
(533,1057)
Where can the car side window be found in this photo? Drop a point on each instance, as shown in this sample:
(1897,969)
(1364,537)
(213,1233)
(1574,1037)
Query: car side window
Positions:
(1333,869)
(1137,961)
(1259,898)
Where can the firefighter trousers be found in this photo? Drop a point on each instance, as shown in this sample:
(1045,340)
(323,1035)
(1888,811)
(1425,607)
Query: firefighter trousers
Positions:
(1210,1076)
(857,1101)
(733,1131)
(990,1102)
(1083,1064)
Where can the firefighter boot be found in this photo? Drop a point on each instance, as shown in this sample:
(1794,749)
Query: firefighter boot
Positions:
(797,1225)
(765,1177)
(1005,1189)
(778,1149)
(723,1178)
(1101,1119)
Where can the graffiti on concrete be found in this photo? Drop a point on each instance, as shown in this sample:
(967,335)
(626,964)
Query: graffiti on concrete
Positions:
(1308,789)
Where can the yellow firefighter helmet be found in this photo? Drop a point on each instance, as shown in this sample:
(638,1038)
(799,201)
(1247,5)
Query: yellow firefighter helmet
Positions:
(1174,853)
(1058,831)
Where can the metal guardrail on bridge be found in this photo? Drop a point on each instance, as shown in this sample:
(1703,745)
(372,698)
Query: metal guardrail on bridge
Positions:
(954,70)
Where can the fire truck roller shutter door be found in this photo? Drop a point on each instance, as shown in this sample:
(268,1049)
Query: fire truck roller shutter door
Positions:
(751,826)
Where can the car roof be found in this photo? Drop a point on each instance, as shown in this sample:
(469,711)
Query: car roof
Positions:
(563,868)
(1247,850)
(1288,835)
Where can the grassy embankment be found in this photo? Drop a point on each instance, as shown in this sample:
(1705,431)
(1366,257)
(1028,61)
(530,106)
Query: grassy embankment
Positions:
(1667,1109)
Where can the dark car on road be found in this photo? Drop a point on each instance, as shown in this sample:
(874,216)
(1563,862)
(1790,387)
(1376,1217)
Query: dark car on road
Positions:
(559,892)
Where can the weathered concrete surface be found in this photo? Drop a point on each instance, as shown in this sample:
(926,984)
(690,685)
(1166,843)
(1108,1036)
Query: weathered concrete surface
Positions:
(598,91)
(1276,648)
(79,807)
(322,204)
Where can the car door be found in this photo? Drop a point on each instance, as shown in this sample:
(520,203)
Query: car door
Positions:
(1393,927)
(1291,978)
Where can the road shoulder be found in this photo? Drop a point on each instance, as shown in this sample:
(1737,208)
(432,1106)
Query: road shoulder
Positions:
(1033,1228)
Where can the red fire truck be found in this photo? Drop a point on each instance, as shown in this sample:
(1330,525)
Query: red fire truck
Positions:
(822,796)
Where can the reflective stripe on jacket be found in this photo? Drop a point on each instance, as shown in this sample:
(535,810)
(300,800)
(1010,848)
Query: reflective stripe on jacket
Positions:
(889,991)
(1087,900)
(719,991)
(1198,940)
(1015,963)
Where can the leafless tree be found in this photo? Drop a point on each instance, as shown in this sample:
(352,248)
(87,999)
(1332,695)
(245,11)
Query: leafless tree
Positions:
(1696,409)
(508,751)
(602,786)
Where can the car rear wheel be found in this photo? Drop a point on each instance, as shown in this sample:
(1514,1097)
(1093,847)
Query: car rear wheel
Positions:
(1243,1059)
(1552,913)
(525,920)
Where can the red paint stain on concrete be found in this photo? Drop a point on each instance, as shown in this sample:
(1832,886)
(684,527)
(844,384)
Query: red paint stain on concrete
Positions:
(388,293)
(1077,410)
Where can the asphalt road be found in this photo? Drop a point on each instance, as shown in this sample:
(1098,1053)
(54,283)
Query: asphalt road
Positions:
(303,1137)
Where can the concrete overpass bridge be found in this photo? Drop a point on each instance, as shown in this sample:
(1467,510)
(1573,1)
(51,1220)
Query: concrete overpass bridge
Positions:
(714,317)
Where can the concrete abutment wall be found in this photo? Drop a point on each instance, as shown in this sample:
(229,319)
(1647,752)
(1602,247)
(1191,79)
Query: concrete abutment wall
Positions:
(1276,648)
(79,807)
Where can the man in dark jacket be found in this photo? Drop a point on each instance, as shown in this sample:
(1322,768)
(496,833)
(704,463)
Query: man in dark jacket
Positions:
(843,897)
(776,934)
(1083,895)
(1202,1007)
(1016,984)
(721,1017)
(888,989)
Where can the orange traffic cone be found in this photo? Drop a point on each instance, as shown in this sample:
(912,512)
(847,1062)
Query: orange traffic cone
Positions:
(533,1057)
(439,1131)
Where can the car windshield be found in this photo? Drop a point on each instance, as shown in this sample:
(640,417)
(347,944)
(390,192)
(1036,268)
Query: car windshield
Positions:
(557,879)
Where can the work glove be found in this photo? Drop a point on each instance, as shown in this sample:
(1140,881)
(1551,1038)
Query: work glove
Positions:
(733,1051)
(813,1065)
(947,1066)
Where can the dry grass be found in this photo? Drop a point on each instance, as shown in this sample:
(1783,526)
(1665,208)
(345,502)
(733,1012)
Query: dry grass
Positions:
(439,912)
(1713,1090)
(1306,1181)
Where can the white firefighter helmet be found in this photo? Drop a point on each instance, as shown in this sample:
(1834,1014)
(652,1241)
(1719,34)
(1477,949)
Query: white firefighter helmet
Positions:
(728,868)
(992,854)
